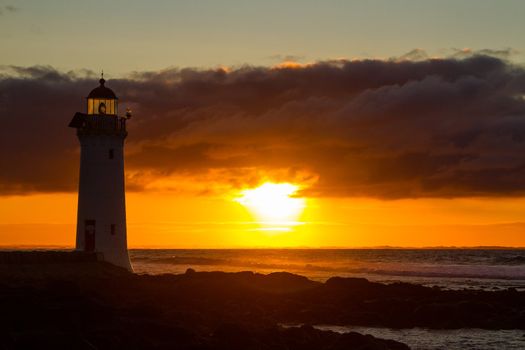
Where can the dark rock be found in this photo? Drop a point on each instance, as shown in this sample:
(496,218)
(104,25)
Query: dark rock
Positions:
(358,341)
(95,304)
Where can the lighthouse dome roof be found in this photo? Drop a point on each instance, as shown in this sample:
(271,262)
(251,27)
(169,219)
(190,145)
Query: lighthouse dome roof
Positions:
(102,91)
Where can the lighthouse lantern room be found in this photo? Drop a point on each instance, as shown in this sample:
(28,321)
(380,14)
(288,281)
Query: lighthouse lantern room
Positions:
(102,100)
(101,216)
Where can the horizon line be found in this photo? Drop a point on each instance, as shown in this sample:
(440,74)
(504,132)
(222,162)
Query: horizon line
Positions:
(378,247)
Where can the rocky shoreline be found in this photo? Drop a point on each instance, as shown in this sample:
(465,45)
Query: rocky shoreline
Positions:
(94,305)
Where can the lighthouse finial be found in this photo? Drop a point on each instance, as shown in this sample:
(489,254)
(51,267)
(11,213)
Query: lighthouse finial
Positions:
(102,80)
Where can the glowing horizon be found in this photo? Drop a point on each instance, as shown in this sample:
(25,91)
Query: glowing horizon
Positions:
(165,221)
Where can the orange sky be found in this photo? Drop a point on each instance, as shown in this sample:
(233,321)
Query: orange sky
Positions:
(163,220)
(412,151)
(399,130)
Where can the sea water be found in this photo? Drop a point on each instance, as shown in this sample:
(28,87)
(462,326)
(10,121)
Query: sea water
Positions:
(487,269)
(431,339)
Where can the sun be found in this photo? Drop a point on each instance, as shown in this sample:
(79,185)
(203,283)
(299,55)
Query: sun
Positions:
(273,203)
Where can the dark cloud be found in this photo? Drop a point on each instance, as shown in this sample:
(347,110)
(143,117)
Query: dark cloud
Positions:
(383,128)
(505,53)
(4,9)
(414,55)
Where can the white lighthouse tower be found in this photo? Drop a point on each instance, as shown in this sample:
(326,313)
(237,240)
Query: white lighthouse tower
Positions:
(101,217)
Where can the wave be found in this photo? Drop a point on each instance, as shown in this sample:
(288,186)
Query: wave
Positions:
(501,272)
(502,275)
(510,260)
(180,260)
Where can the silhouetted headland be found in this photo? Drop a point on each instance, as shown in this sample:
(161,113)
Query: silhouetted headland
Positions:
(60,301)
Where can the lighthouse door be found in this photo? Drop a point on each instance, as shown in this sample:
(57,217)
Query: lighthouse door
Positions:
(89,235)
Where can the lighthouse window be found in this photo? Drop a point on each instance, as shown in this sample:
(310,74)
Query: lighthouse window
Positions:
(111,154)
(113,229)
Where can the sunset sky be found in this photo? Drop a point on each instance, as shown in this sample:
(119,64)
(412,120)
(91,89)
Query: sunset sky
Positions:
(272,123)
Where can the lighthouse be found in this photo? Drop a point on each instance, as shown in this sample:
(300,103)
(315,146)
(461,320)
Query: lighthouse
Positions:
(101,216)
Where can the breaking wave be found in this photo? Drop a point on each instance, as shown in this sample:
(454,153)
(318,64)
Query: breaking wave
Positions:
(437,267)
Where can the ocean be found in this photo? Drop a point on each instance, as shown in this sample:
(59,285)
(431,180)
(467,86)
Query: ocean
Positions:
(432,339)
(486,269)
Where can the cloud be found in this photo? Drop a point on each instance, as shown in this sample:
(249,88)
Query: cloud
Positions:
(381,128)
(505,53)
(287,58)
(7,9)
(414,55)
